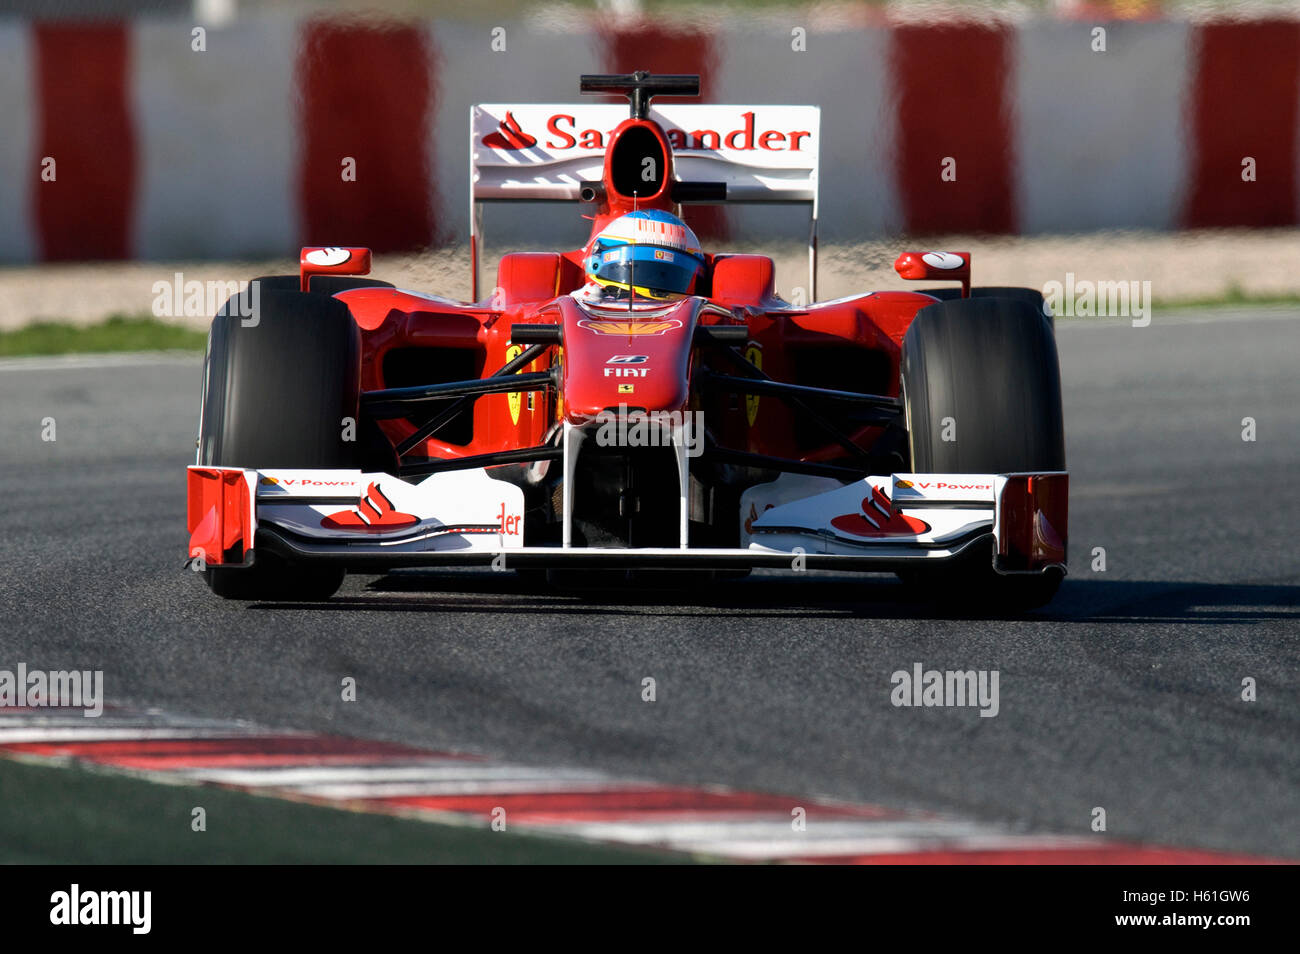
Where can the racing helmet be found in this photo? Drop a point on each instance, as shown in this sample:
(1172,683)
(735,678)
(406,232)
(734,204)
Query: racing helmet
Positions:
(652,253)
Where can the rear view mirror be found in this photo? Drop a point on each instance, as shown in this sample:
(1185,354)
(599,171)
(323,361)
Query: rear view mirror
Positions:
(936,266)
(316,260)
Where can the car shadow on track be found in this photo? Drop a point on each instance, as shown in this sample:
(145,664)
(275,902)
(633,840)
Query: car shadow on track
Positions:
(819,596)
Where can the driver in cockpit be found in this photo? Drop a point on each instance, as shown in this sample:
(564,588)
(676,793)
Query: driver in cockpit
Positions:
(648,257)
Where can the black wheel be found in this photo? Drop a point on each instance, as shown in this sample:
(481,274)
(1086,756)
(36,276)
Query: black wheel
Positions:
(982,395)
(276,390)
(320,284)
(272,578)
(1030,296)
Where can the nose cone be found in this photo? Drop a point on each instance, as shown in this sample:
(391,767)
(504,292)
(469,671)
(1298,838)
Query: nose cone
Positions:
(637,358)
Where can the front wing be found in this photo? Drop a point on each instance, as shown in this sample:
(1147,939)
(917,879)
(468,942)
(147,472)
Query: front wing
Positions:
(377,522)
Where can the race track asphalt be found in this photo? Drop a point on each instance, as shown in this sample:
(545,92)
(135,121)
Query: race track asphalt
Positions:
(1124,693)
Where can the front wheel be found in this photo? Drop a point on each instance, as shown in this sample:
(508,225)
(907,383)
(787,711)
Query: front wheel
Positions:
(982,395)
(271,578)
(277,392)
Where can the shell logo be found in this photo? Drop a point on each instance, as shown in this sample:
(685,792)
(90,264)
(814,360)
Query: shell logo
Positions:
(631,328)
(906,484)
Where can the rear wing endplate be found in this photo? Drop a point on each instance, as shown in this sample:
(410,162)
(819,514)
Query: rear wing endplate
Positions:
(541,152)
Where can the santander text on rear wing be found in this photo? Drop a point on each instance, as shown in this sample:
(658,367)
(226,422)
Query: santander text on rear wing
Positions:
(544,152)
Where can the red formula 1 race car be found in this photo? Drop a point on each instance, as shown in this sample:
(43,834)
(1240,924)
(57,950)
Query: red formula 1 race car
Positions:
(635,404)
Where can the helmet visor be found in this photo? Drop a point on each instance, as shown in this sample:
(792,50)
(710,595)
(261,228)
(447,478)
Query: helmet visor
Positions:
(658,272)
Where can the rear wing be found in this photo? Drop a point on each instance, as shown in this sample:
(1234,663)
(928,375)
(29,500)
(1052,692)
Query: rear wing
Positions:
(545,152)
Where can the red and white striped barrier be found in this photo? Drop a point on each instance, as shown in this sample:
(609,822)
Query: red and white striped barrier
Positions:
(577,803)
(123,141)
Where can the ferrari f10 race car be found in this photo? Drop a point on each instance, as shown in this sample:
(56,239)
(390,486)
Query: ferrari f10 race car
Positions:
(635,405)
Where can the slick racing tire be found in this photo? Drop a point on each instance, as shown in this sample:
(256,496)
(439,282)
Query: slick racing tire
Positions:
(1030,296)
(320,284)
(276,391)
(983,372)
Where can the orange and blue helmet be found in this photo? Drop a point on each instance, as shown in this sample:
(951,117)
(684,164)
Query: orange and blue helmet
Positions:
(652,253)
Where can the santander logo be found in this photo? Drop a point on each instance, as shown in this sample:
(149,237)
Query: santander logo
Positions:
(374,513)
(509,135)
(877,519)
(563,134)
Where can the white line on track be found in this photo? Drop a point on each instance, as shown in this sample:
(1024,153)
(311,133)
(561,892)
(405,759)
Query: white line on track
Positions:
(92,733)
(776,829)
(77,718)
(536,786)
(450,770)
(1163,317)
(81,362)
(885,845)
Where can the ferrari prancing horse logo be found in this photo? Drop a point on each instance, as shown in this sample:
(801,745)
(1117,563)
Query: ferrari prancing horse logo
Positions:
(514,397)
(754,355)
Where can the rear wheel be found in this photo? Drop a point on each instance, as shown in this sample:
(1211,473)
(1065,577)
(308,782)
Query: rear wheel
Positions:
(982,394)
(276,390)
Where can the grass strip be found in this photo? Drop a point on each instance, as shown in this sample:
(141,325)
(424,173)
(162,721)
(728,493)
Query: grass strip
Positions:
(117,333)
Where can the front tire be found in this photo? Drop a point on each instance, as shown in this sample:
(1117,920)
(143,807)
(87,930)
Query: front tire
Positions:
(1030,296)
(277,388)
(982,395)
